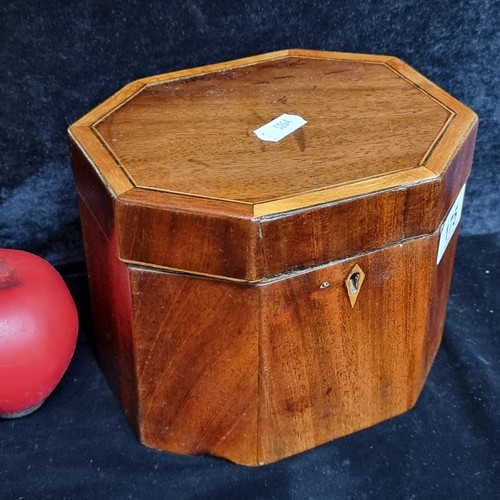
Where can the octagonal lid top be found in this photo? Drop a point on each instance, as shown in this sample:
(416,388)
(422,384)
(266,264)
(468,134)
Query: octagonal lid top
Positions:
(372,123)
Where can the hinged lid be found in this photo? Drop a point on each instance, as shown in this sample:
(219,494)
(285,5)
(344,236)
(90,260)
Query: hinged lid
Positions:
(195,189)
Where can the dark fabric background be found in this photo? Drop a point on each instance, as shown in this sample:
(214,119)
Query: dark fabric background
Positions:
(58,59)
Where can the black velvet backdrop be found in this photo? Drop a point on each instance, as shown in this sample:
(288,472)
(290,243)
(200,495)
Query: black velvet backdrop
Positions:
(58,59)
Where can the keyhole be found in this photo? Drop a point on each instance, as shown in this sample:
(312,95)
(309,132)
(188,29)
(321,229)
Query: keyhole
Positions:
(354,282)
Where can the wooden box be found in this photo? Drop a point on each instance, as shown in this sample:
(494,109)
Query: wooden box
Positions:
(260,291)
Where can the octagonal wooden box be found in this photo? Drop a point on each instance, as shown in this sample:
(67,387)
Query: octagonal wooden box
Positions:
(254,299)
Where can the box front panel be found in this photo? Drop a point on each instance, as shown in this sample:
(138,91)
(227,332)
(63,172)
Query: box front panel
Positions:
(197,364)
(329,368)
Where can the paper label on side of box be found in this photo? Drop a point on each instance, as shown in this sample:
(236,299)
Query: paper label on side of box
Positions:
(450,224)
(279,128)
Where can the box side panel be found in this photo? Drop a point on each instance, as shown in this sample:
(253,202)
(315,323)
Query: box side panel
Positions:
(329,369)
(186,241)
(332,232)
(428,202)
(437,307)
(91,189)
(197,361)
(112,312)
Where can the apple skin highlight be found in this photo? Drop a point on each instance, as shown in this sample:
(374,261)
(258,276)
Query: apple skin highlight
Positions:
(38,331)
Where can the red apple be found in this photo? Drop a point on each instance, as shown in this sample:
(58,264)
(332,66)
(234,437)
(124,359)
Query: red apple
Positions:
(38,331)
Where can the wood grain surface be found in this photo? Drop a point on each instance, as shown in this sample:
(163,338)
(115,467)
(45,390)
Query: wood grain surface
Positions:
(196,355)
(329,369)
(364,121)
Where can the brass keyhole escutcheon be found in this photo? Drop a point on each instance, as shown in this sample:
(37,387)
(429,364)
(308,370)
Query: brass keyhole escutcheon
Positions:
(353,283)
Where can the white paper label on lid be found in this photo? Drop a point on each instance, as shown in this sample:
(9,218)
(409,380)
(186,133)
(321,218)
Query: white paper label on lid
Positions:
(279,128)
(450,224)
